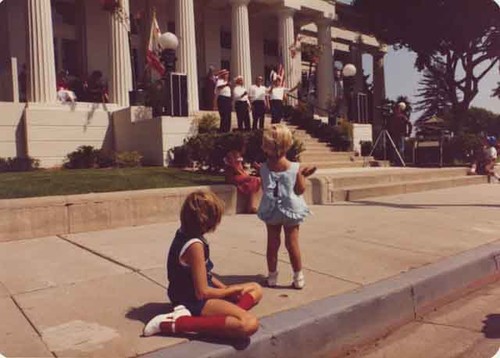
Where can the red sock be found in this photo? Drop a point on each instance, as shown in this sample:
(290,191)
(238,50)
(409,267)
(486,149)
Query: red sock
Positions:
(246,302)
(188,324)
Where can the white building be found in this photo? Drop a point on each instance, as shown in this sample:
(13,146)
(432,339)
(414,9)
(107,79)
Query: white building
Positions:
(246,36)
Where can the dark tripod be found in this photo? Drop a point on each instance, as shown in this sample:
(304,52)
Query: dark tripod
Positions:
(384,135)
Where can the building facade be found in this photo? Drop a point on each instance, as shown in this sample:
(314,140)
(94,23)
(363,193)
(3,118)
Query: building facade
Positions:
(248,37)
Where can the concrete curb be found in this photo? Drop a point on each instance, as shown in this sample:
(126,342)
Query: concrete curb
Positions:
(57,215)
(331,326)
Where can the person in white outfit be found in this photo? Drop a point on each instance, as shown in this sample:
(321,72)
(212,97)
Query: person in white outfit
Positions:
(224,105)
(258,100)
(241,104)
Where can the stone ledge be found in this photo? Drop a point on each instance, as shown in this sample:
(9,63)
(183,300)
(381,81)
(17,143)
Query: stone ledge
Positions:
(46,216)
(331,326)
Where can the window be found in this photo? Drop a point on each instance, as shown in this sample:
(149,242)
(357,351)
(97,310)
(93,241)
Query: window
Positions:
(224,64)
(64,12)
(271,48)
(225,39)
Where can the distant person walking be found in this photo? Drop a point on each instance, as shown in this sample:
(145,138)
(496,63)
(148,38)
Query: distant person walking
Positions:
(282,204)
(241,104)
(258,99)
(224,105)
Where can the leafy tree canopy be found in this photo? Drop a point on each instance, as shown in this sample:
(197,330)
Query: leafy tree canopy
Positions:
(457,42)
(431,26)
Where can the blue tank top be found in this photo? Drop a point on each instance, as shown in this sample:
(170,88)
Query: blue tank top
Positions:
(180,279)
(278,194)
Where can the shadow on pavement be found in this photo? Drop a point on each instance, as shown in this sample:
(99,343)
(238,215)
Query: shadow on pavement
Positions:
(146,312)
(237,279)
(421,206)
(491,326)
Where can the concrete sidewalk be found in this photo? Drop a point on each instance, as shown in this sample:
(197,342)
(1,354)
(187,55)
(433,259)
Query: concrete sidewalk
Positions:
(89,294)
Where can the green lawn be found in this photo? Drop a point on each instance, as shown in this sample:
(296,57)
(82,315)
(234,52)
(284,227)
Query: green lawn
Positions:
(64,182)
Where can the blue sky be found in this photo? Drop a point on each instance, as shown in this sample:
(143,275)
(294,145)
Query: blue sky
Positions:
(401,78)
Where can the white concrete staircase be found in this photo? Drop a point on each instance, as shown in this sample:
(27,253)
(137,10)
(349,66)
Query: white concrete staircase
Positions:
(331,185)
(322,156)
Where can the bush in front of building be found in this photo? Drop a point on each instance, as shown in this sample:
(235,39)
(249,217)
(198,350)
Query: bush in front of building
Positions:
(208,123)
(88,157)
(18,164)
(206,151)
(128,159)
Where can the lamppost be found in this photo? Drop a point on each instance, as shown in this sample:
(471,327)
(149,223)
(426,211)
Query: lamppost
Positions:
(169,43)
(348,73)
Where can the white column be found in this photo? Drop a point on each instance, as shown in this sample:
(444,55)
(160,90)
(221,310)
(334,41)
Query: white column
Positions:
(42,70)
(378,88)
(120,81)
(240,41)
(286,40)
(325,65)
(186,53)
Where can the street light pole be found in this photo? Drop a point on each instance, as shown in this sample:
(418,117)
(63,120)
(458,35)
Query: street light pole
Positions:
(348,73)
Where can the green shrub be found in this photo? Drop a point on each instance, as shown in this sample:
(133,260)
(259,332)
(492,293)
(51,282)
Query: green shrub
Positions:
(86,157)
(208,150)
(208,123)
(18,164)
(128,159)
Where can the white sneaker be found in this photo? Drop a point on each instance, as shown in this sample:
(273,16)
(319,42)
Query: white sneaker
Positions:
(298,280)
(272,279)
(153,326)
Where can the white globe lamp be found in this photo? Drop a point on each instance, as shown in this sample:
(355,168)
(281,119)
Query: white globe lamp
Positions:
(402,106)
(349,70)
(168,41)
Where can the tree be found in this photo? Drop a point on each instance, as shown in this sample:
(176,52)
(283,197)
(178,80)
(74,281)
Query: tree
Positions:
(456,41)
(433,94)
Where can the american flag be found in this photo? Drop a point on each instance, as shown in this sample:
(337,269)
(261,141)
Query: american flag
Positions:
(281,73)
(154,49)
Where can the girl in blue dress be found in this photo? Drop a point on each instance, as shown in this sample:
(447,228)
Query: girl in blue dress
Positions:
(282,204)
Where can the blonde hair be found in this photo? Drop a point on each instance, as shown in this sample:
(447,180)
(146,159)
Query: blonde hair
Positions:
(277,140)
(201,212)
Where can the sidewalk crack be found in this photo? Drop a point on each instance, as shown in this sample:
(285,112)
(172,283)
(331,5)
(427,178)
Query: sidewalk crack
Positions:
(31,324)
(110,259)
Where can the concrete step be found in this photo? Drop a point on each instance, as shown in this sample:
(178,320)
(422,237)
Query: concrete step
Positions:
(330,164)
(353,193)
(382,177)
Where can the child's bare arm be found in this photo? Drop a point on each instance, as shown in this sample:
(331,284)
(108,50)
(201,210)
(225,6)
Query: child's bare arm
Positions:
(218,283)
(195,258)
(300,184)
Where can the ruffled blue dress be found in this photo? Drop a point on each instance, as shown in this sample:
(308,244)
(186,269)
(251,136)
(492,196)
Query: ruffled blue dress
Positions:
(279,203)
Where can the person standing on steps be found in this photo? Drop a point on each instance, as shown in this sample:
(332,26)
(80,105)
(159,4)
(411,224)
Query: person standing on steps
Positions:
(258,100)
(277,94)
(224,103)
(241,104)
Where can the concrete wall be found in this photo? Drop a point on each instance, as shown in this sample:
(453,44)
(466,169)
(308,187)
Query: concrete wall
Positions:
(97,37)
(17,31)
(361,132)
(54,131)
(174,131)
(12,130)
(257,46)
(135,129)
(38,217)
(212,38)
